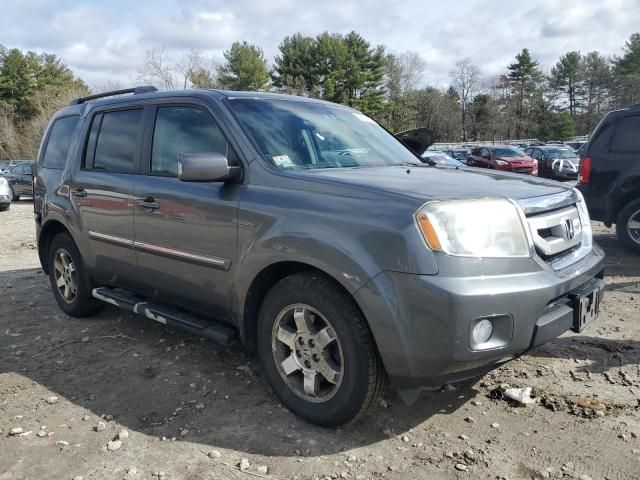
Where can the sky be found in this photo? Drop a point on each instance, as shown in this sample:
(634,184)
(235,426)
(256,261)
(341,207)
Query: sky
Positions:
(104,42)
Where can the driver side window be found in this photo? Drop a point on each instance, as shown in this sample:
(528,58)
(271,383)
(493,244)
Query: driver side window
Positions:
(185,130)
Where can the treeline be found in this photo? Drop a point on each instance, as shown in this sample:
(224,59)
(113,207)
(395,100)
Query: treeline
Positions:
(32,87)
(522,102)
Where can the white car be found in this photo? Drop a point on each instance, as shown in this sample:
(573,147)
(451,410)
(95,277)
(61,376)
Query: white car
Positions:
(5,194)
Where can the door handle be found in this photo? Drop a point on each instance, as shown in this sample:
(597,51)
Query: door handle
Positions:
(79,192)
(148,202)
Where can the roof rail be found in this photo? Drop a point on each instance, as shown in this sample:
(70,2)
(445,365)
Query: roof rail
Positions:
(136,91)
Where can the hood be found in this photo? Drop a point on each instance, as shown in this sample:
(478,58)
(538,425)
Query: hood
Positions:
(417,139)
(440,183)
(516,160)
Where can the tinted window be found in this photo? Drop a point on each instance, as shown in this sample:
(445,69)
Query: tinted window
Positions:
(184,130)
(627,136)
(55,154)
(561,153)
(116,147)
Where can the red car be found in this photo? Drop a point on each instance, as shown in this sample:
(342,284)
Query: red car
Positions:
(503,157)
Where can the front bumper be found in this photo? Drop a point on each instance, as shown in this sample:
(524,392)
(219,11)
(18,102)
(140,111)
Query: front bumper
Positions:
(422,323)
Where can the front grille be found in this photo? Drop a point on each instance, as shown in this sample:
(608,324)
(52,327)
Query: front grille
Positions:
(556,233)
(522,170)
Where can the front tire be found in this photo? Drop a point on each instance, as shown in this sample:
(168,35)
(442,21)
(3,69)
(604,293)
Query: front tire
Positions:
(628,225)
(317,351)
(69,278)
(14,197)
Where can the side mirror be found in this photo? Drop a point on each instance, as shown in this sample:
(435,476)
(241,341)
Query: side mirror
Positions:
(206,167)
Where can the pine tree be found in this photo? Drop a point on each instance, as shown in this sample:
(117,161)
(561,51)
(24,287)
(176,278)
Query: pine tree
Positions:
(245,68)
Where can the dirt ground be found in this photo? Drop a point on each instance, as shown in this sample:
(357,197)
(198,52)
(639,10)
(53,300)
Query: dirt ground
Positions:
(195,410)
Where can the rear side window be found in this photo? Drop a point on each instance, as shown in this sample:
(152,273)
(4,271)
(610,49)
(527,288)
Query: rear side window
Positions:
(184,130)
(57,148)
(627,136)
(116,145)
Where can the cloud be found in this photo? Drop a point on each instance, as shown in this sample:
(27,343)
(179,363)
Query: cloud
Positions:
(106,41)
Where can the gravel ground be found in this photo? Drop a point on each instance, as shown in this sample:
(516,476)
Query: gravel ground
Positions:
(118,396)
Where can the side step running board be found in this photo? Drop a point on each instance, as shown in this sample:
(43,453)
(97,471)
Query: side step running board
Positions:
(216,331)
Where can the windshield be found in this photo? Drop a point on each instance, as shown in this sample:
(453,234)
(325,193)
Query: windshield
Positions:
(560,153)
(441,158)
(306,135)
(508,152)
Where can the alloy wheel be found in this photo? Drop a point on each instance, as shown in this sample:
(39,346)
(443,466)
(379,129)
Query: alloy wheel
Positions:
(308,353)
(633,226)
(65,275)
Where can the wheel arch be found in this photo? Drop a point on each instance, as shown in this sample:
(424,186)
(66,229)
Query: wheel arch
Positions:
(628,192)
(264,281)
(49,230)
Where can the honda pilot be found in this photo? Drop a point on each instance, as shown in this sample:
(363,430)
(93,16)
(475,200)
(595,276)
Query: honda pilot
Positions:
(312,234)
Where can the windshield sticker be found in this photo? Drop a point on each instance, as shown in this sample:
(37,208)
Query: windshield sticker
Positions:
(362,117)
(283,161)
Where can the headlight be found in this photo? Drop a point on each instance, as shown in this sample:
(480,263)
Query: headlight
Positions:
(502,163)
(585,221)
(3,181)
(474,228)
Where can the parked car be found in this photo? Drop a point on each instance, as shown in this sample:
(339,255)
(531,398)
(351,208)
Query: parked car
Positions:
(502,157)
(5,194)
(610,174)
(330,247)
(20,178)
(459,154)
(556,162)
(441,159)
(575,145)
(7,164)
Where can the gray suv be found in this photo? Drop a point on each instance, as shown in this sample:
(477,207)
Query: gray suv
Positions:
(307,230)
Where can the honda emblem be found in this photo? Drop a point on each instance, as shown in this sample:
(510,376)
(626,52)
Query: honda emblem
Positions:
(569,231)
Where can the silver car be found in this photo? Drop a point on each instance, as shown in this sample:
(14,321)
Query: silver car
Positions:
(5,194)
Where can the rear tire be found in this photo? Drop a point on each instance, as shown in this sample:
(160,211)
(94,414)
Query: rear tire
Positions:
(349,358)
(70,281)
(628,226)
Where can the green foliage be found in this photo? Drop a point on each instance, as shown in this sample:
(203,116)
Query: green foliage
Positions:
(245,68)
(627,69)
(294,69)
(525,79)
(24,74)
(629,63)
(200,77)
(567,76)
(558,126)
(339,68)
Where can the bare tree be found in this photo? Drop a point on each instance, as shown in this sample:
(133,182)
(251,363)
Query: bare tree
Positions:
(189,64)
(403,74)
(465,80)
(157,69)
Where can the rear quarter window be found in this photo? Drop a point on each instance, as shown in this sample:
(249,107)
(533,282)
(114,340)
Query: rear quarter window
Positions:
(60,139)
(627,136)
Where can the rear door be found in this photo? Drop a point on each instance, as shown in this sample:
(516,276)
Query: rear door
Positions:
(101,189)
(185,233)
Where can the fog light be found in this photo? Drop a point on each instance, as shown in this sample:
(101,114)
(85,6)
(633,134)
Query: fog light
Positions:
(482,331)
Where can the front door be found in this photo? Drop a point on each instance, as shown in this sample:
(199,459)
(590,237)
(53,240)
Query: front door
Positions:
(101,190)
(185,233)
